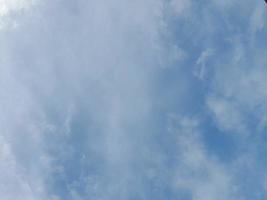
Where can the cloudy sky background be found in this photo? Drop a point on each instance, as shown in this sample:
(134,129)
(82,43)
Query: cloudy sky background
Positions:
(127,100)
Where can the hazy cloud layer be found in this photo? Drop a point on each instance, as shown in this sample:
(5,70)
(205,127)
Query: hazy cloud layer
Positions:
(146,99)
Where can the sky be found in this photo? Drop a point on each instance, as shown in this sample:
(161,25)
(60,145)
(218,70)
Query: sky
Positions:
(133,100)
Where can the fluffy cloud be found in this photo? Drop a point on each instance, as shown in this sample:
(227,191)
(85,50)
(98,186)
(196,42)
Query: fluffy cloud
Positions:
(12,7)
(7,6)
(240,96)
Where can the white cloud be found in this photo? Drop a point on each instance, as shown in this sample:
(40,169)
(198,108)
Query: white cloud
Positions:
(15,183)
(24,164)
(77,90)
(8,7)
(76,84)
(227,115)
(198,171)
(200,69)
(239,96)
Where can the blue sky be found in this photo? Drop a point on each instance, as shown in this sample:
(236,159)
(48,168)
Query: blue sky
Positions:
(133,100)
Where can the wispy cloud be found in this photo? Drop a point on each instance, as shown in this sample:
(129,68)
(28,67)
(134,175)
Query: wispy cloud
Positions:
(87,88)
